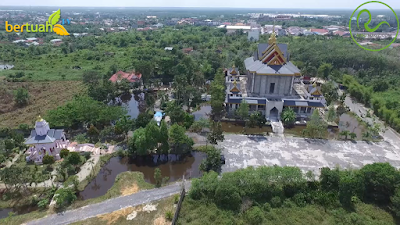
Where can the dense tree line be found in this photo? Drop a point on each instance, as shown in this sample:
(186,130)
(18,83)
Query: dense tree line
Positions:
(255,190)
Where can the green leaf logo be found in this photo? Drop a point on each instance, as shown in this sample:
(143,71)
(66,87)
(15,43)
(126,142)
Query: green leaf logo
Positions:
(369,21)
(55,17)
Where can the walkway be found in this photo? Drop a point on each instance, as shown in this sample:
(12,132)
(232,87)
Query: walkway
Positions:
(111,205)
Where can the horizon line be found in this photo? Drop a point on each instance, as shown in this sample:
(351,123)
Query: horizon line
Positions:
(207,7)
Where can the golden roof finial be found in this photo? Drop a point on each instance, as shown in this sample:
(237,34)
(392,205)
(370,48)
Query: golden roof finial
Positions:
(39,119)
(233,66)
(272,39)
(234,82)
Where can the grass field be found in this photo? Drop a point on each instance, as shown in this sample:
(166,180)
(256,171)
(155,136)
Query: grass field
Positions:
(44,96)
(150,214)
(126,183)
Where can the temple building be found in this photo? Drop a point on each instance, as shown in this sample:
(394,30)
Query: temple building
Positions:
(44,140)
(271,84)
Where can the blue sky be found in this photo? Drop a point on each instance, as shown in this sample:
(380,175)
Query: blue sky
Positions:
(321,4)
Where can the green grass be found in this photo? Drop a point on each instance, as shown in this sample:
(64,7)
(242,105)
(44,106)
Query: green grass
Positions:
(143,218)
(20,219)
(198,212)
(125,183)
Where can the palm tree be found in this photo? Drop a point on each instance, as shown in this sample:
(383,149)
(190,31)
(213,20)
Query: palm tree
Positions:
(353,135)
(344,133)
(288,117)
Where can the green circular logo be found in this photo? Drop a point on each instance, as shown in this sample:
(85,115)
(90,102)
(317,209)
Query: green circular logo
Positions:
(372,30)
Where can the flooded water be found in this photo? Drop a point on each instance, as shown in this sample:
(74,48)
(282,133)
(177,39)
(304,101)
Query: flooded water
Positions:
(6,66)
(134,103)
(204,112)
(350,123)
(233,127)
(174,168)
(17,211)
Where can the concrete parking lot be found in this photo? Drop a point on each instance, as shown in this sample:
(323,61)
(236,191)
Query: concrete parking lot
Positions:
(242,151)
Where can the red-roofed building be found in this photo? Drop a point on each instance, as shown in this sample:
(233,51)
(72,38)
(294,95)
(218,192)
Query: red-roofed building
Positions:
(130,77)
(187,50)
(320,31)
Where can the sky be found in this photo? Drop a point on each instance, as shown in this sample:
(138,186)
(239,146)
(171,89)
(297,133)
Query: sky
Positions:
(303,4)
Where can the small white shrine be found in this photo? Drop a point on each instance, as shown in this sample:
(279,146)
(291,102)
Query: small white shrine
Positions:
(44,140)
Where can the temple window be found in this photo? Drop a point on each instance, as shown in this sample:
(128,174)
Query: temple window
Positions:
(272,88)
(303,109)
(261,107)
(309,110)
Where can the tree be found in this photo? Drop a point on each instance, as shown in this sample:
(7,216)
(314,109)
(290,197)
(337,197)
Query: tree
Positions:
(64,197)
(142,120)
(331,115)
(216,133)
(242,112)
(175,112)
(325,70)
(254,215)
(330,91)
(395,200)
(217,91)
(93,132)
(163,139)
(48,159)
(139,144)
(158,177)
(380,181)
(74,159)
(199,125)
(213,160)
(178,141)
(353,136)
(316,127)
(21,97)
(64,153)
(344,133)
(124,125)
(257,119)
(288,117)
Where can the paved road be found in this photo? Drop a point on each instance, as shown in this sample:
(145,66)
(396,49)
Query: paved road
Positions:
(389,135)
(111,205)
(242,151)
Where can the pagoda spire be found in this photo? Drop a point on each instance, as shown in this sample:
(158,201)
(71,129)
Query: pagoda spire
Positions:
(272,39)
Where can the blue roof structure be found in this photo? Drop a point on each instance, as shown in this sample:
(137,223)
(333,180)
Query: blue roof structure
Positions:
(52,136)
(303,103)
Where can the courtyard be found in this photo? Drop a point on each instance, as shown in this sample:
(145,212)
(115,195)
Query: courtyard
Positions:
(242,151)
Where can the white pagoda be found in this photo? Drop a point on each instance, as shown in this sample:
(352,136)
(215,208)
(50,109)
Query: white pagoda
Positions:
(44,140)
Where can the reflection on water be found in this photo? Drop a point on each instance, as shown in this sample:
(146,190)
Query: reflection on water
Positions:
(204,112)
(174,168)
(134,103)
(17,210)
(350,123)
(233,127)
(6,66)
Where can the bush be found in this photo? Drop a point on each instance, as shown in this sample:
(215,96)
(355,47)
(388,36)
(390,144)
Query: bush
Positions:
(176,199)
(87,155)
(64,153)
(276,202)
(43,203)
(169,215)
(48,159)
(254,216)
(74,158)
(267,207)
(64,197)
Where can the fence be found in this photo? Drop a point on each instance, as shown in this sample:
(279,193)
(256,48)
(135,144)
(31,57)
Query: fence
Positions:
(178,207)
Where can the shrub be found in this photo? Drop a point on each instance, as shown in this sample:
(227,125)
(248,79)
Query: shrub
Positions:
(276,202)
(86,155)
(48,159)
(64,153)
(176,199)
(168,215)
(64,197)
(254,216)
(267,207)
(43,203)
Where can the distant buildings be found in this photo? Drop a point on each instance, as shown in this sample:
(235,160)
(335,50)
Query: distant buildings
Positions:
(254,34)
